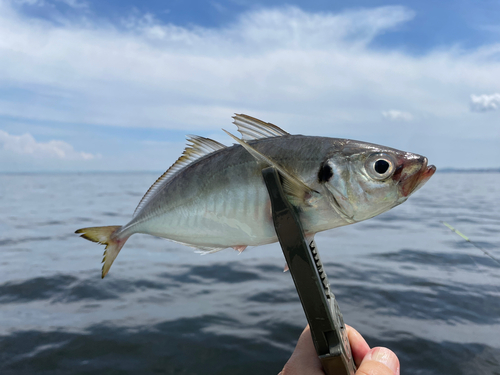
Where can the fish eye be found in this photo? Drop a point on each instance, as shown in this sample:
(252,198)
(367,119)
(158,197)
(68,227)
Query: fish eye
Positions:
(380,166)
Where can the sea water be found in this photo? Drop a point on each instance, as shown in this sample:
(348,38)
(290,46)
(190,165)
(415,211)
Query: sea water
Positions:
(402,279)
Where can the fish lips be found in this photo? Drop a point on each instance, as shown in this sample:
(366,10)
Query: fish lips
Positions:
(410,177)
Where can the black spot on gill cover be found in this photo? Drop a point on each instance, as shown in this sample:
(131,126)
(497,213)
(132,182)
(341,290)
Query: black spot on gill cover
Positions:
(325,173)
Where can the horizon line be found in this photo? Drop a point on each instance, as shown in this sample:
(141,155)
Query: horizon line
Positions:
(442,170)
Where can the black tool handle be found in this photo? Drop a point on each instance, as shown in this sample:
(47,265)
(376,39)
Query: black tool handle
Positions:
(319,304)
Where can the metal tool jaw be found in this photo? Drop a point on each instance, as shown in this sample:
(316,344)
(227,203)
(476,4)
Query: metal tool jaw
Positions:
(322,311)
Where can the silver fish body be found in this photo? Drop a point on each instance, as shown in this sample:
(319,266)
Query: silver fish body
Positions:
(219,199)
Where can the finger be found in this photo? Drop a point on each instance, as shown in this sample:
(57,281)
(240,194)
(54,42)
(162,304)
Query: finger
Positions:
(359,347)
(379,361)
(304,359)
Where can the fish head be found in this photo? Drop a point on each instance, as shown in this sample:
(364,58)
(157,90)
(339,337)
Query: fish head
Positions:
(367,179)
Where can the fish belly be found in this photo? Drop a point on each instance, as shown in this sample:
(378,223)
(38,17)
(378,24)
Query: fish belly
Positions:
(235,216)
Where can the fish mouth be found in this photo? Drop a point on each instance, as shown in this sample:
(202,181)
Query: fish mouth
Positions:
(412,182)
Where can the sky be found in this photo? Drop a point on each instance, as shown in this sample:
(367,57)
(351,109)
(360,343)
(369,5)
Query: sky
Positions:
(90,85)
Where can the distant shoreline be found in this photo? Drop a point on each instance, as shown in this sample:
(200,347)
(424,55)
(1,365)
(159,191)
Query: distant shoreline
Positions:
(439,170)
(469,170)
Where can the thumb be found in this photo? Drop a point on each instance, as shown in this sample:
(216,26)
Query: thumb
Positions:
(379,361)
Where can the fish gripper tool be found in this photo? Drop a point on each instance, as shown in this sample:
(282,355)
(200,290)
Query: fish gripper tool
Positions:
(321,309)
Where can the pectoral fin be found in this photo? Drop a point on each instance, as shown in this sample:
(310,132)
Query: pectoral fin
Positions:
(292,185)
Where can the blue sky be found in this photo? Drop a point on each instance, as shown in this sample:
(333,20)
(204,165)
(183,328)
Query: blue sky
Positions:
(116,85)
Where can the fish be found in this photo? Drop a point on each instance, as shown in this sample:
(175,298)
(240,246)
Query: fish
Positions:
(214,197)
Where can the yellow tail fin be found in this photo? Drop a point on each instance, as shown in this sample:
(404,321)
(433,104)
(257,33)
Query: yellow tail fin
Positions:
(105,236)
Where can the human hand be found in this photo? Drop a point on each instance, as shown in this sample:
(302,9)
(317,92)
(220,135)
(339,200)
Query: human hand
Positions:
(376,361)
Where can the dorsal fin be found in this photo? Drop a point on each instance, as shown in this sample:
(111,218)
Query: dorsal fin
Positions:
(196,148)
(252,128)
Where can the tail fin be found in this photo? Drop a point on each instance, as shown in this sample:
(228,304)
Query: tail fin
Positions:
(105,236)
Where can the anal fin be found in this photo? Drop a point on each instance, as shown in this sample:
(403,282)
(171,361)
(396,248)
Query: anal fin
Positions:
(240,248)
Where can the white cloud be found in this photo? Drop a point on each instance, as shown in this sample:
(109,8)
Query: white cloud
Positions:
(162,75)
(30,2)
(218,6)
(269,29)
(395,115)
(314,73)
(77,4)
(27,145)
(482,103)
